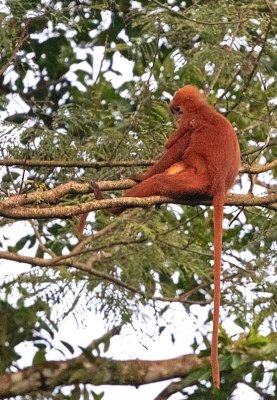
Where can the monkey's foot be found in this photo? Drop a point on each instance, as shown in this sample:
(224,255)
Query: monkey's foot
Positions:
(96,191)
(136,178)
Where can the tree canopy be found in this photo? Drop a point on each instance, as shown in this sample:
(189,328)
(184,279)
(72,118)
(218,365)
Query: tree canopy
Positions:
(84,87)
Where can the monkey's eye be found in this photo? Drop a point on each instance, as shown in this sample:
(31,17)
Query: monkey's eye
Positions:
(175,110)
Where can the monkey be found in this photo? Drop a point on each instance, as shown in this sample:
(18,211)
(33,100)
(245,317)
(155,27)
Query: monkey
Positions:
(177,142)
(202,157)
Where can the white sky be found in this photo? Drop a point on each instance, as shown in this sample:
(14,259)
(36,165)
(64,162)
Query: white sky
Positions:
(128,344)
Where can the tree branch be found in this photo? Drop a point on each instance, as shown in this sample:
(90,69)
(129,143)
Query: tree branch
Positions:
(255,66)
(96,371)
(258,169)
(111,164)
(11,207)
(19,42)
(61,261)
(183,16)
(90,369)
(75,164)
(70,262)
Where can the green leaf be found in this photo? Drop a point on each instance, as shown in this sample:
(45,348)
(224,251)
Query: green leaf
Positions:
(97,396)
(68,346)
(39,357)
(236,360)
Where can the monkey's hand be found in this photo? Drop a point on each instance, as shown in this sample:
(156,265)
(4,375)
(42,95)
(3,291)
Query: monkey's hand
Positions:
(116,210)
(137,178)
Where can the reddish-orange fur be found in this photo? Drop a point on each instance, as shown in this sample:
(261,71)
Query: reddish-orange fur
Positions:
(201,157)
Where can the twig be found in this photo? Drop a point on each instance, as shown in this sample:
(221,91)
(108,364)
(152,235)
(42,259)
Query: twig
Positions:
(24,169)
(56,262)
(257,169)
(107,336)
(249,79)
(229,50)
(127,164)
(102,61)
(180,15)
(271,142)
(20,41)
(39,238)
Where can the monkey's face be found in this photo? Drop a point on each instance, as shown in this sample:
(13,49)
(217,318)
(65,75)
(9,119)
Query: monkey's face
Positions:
(186,100)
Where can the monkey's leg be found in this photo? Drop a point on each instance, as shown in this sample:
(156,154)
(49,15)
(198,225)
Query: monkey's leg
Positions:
(176,186)
(187,182)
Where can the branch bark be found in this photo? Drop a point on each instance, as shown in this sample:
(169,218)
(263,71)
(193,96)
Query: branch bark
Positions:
(256,169)
(76,164)
(96,371)
(14,208)
(70,262)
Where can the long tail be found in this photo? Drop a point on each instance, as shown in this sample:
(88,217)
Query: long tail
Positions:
(82,221)
(81,225)
(218,203)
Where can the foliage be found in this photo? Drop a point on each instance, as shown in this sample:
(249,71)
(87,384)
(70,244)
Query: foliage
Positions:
(90,80)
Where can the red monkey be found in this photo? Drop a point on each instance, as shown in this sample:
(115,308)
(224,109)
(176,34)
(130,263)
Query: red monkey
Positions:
(201,157)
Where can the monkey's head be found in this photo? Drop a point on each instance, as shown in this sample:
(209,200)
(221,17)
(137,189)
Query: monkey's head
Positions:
(186,99)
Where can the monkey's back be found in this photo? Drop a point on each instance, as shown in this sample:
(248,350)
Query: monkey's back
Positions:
(215,140)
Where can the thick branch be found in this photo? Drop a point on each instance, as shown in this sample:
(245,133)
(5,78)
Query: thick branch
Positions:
(52,195)
(96,371)
(64,211)
(90,369)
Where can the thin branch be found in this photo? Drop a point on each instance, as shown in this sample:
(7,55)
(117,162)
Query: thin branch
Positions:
(268,143)
(76,164)
(24,35)
(255,66)
(139,163)
(102,60)
(39,239)
(258,169)
(172,388)
(180,15)
(56,262)
(24,169)
(107,336)
(225,59)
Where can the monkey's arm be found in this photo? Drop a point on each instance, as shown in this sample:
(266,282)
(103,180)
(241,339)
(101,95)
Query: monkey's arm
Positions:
(173,138)
(171,156)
